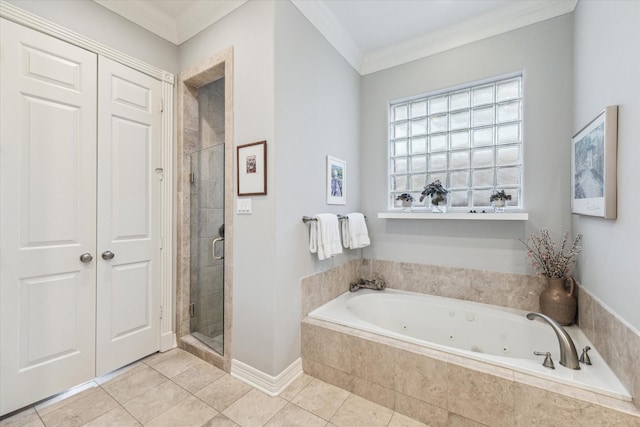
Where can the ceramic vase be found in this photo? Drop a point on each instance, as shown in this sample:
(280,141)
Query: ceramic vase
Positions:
(558,301)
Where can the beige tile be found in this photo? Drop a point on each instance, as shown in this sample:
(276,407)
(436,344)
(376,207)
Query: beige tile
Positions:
(121,373)
(480,397)
(321,399)
(399,420)
(198,377)
(296,387)
(190,412)
(293,415)
(220,421)
(358,412)
(373,361)
(127,387)
(118,416)
(66,398)
(223,392)
(177,363)
(254,409)
(155,401)
(431,415)
(536,407)
(26,418)
(373,392)
(92,404)
(456,420)
(328,374)
(421,377)
(158,357)
(316,340)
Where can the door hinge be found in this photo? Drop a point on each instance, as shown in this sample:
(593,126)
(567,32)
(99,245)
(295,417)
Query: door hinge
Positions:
(192,310)
(162,105)
(161,312)
(192,177)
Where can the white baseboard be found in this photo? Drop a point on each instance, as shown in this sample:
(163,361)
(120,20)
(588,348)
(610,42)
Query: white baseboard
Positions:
(266,383)
(168,341)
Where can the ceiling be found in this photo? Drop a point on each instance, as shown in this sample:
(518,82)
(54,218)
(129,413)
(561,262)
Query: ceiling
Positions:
(372,35)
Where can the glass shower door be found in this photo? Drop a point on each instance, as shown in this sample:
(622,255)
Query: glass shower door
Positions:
(207,247)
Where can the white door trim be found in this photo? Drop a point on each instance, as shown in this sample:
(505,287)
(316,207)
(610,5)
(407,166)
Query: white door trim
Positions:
(168,266)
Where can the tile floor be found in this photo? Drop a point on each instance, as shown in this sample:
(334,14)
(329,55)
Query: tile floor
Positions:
(178,389)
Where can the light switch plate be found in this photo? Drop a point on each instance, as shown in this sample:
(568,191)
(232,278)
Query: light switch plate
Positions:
(243,206)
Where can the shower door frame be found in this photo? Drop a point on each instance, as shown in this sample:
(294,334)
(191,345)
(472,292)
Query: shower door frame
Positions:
(209,70)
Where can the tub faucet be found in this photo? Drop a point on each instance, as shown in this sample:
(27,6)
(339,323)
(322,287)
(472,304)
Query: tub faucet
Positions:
(568,354)
(375,284)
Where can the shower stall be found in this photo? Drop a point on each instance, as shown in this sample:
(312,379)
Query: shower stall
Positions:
(206,222)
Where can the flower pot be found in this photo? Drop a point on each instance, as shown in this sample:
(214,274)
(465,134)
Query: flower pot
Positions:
(438,203)
(558,302)
(499,205)
(407,206)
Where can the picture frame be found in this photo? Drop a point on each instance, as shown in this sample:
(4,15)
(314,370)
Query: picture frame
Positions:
(336,181)
(593,166)
(252,169)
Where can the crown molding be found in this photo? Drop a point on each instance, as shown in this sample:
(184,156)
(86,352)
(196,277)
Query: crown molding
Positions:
(201,16)
(146,16)
(516,15)
(325,22)
(176,29)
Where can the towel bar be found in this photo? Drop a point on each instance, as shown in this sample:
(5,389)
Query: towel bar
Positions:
(307,219)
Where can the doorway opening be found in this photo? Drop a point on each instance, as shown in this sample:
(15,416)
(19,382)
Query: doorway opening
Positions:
(205,229)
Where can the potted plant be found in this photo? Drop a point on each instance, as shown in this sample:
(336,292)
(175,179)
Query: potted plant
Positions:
(499,200)
(407,201)
(437,194)
(558,301)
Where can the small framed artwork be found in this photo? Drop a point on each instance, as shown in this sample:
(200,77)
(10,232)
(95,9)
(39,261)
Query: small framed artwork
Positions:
(252,169)
(336,181)
(593,166)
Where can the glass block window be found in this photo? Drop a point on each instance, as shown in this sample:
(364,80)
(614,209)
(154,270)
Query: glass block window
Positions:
(470,138)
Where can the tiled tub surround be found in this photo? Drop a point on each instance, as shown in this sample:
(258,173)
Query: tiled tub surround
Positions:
(499,336)
(334,360)
(205,120)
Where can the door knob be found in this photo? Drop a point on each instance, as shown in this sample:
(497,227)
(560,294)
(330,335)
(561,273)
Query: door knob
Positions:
(107,255)
(86,257)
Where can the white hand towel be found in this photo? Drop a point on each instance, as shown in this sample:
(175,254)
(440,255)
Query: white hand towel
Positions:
(357,232)
(328,236)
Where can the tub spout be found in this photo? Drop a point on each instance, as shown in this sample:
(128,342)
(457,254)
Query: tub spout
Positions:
(568,354)
(375,284)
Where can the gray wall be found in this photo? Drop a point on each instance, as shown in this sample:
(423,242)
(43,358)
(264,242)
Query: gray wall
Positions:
(302,97)
(317,114)
(607,72)
(100,24)
(250,30)
(543,52)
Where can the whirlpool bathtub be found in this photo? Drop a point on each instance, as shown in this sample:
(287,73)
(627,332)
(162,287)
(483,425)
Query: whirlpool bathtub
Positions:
(495,335)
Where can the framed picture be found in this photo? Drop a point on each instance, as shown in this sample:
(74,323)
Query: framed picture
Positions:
(593,166)
(336,181)
(252,169)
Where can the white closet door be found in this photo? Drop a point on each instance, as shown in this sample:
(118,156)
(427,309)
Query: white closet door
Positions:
(129,149)
(47,216)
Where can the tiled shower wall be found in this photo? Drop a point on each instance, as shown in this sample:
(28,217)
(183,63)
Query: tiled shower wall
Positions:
(617,343)
(207,212)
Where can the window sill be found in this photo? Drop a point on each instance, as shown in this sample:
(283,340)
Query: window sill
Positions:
(489,216)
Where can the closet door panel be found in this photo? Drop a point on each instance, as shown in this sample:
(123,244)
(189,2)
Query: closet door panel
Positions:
(128,216)
(48,216)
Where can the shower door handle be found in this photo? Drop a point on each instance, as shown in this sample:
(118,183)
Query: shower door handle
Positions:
(213,248)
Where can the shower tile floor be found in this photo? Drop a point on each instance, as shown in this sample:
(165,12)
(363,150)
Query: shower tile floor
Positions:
(177,389)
